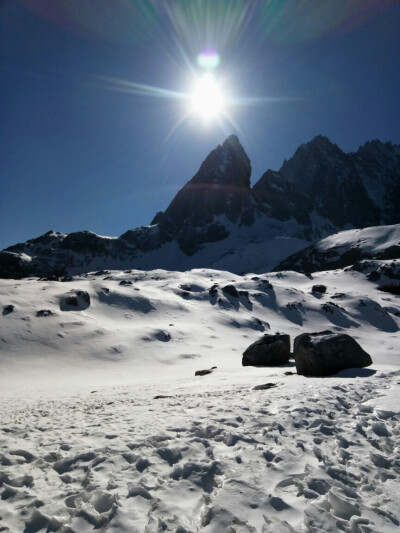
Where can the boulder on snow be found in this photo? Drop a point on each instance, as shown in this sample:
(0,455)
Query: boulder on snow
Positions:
(7,309)
(325,353)
(76,300)
(319,289)
(231,290)
(270,350)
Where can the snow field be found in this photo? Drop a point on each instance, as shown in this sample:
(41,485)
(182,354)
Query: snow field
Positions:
(307,455)
(85,446)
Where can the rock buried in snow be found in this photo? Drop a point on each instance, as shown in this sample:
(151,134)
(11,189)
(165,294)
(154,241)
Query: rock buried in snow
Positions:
(270,350)
(265,386)
(76,299)
(325,353)
(44,313)
(205,371)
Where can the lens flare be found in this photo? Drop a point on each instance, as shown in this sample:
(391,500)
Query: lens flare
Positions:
(208,58)
(207,99)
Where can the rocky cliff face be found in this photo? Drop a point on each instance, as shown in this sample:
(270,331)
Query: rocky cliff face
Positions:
(321,179)
(317,192)
(221,187)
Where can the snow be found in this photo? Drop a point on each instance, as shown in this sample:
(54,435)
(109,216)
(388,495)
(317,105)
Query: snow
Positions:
(85,445)
(375,239)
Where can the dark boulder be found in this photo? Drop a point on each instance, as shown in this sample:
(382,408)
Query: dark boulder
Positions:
(319,289)
(325,353)
(231,290)
(213,291)
(7,309)
(270,350)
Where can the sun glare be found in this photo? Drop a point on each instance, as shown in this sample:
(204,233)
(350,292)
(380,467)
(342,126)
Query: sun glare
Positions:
(207,99)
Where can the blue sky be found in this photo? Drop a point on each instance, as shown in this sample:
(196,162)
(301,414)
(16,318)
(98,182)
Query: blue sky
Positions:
(94,132)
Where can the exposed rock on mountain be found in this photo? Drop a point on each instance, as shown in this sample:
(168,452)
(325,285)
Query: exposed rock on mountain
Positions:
(217,220)
(319,179)
(220,187)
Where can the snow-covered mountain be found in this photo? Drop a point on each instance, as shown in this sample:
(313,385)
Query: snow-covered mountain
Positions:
(352,247)
(217,220)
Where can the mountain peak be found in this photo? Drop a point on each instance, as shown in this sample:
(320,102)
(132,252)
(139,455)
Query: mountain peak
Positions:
(227,165)
(221,187)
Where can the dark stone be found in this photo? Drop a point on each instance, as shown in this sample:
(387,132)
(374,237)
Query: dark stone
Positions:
(7,309)
(265,386)
(213,291)
(325,353)
(270,350)
(231,290)
(84,296)
(45,312)
(71,300)
(161,397)
(319,289)
(125,282)
(80,299)
(204,372)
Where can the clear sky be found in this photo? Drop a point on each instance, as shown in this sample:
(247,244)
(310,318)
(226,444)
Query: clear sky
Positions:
(98,129)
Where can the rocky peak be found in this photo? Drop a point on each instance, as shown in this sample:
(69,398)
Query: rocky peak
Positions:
(227,165)
(221,187)
(316,159)
(319,178)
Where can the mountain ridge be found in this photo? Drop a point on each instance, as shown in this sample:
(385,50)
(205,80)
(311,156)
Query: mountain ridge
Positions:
(320,190)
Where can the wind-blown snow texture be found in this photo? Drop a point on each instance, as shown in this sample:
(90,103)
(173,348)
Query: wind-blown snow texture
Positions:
(218,221)
(105,427)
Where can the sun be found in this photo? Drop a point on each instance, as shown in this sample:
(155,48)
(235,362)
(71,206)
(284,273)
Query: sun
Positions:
(207,100)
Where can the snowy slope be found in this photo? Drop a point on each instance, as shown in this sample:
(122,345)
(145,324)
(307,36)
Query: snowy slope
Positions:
(345,248)
(85,445)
